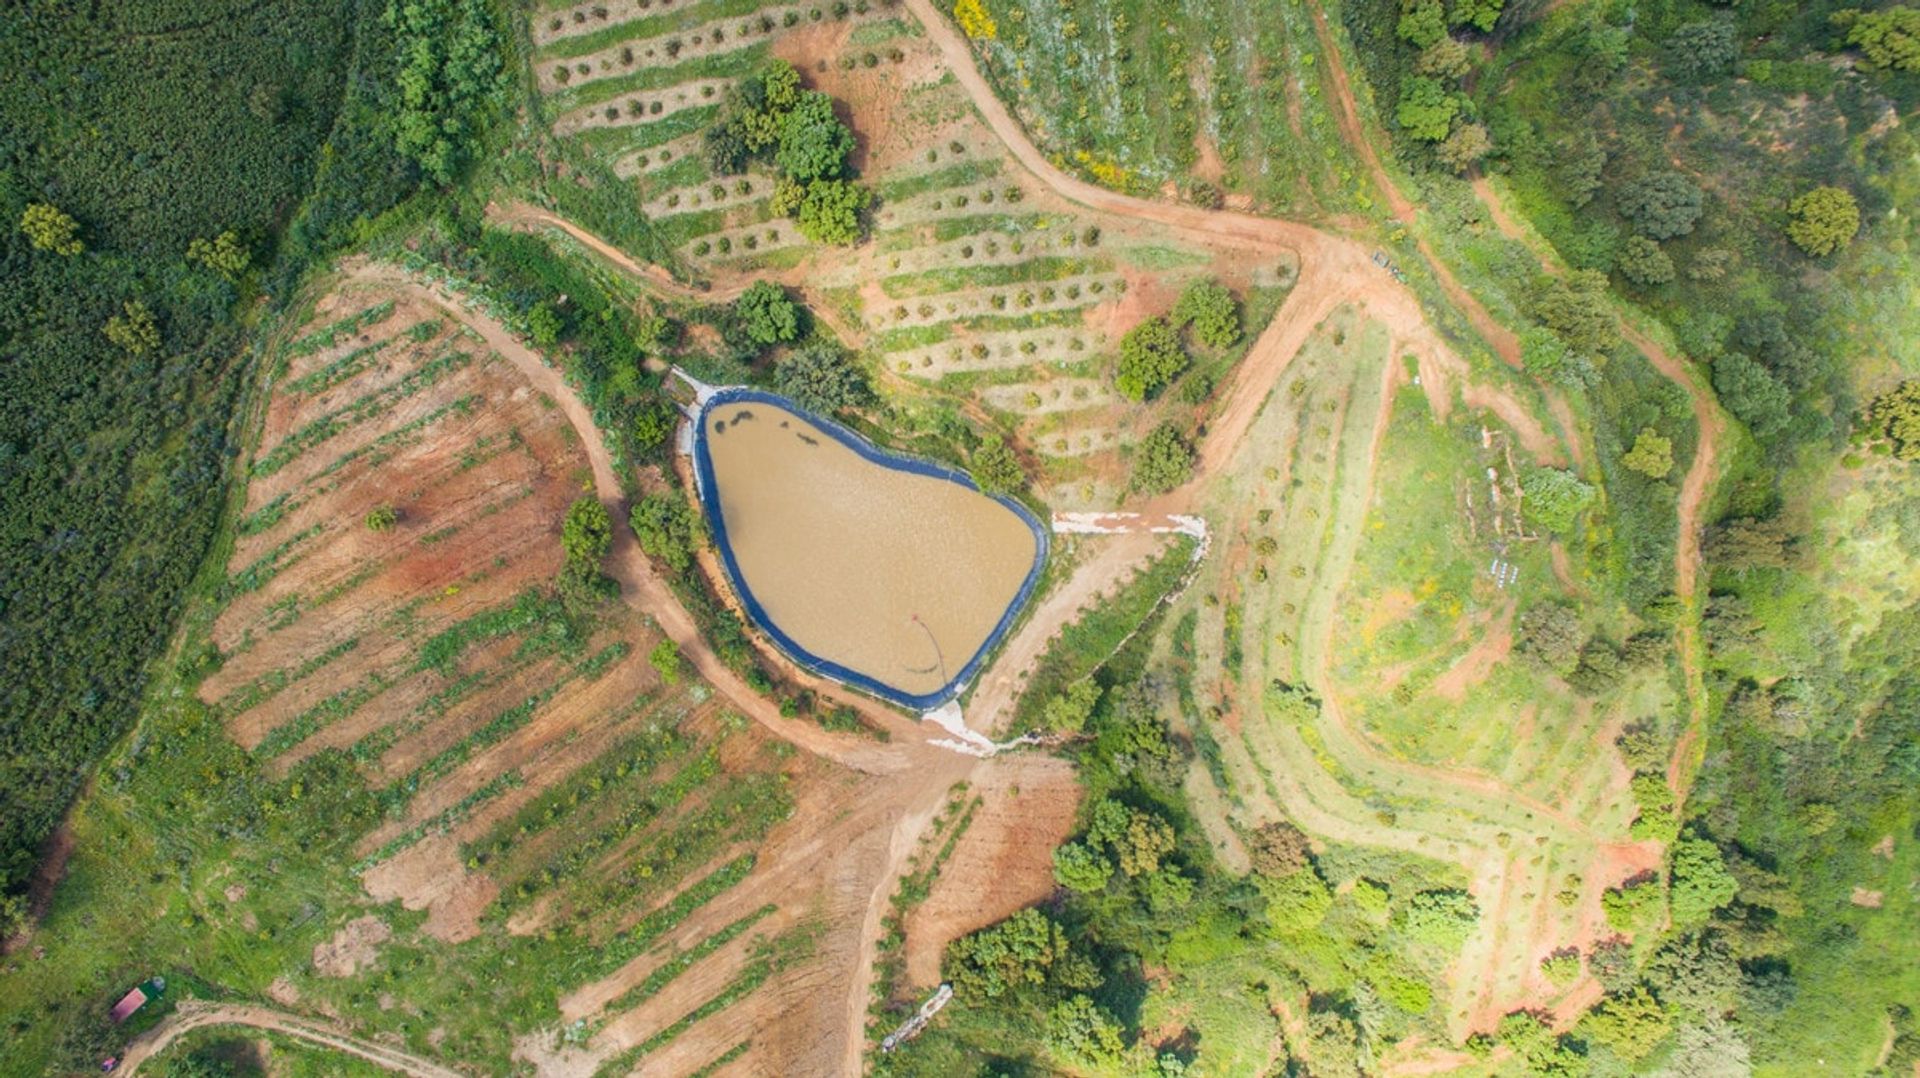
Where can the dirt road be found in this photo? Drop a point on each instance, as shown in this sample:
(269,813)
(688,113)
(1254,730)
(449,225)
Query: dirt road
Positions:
(1504,342)
(1112,562)
(525,217)
(200,1014)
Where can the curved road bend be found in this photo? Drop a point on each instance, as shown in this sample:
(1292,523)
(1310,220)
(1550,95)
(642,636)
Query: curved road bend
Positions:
(200,1014)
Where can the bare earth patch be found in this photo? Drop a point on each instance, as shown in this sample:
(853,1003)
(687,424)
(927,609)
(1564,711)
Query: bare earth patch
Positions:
(1004,861)
(357,944)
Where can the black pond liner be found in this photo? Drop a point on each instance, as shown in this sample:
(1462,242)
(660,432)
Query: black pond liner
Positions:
(710,503)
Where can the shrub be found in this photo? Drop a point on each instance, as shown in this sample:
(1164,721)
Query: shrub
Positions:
(1296,902)
(1751,392)
(1440,918)
(1195,389)
(382,518)
(1631,1024)
(1575,308)
(1078,867)
(1397,986)
(1561,968)
(1895,416)
(1644,263)
(1211,311)
(1150,358)
(667,528)
(1550,636)
(1446,58)
(766,315)
(1422,23)
(1016,953)
(1136,838)
(451,80)
(1553,498)
(587,533)
(665,658)
(1372,898)
(1537,1048)
(224,254)
(1651,455)
(830,212)
(134,329)
(823,378)
(1068,712)
(974,20)
(1889,38)
(1701,882)
(1278,849)
(1464,148)
(814,144)
(1083,1034)
(1162,461)
(1641,746)
(1630,905)
(543,325)
(1657,820)
(1599,670)
(1703,50)
(1426,109)
(1661,205)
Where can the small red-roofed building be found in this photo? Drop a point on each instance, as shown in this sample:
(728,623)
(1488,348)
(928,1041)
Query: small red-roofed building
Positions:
(128,1004)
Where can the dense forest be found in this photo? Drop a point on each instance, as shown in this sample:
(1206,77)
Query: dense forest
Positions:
(167,172)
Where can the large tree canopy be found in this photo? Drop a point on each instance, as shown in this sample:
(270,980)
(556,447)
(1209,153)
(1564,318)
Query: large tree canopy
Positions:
(1823,220)
(1150,357)
(1661,205)
(814,144)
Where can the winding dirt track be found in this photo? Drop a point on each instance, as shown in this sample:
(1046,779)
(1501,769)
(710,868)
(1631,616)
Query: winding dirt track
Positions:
(200,1014)
(911,748)
(1695,487)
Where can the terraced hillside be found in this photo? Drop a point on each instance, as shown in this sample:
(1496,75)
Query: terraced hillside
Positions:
(631,867)
(1354,664)
(1342,749)
(979,285)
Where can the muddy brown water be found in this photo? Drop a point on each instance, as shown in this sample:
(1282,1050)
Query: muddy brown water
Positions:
(892,574)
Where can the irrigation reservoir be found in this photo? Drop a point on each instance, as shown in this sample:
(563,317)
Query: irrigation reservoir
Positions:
(889,573)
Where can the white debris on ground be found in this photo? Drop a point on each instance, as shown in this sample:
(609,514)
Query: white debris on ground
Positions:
(966,740)
(912,1026)
(1122,523)
(1087,523)
(702,392)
